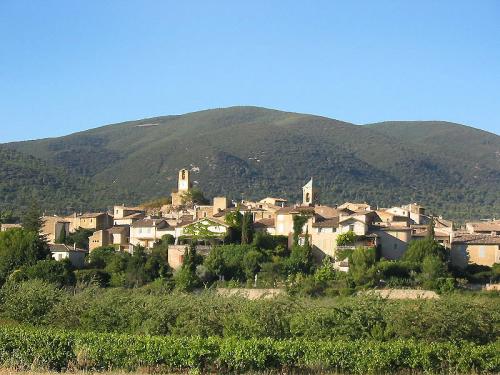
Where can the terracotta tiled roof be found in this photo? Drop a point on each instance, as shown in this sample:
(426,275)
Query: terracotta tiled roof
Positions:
(437,233)
(487,226)
(478,239)
(298,209)
(264,223)
(133,216)
(145,223)
(59,247)
(119,229)
(92,214)
(327,223)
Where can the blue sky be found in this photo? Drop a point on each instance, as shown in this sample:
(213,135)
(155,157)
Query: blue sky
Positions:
(67,66)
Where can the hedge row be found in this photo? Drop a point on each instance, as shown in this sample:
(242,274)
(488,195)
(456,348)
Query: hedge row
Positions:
(58,350)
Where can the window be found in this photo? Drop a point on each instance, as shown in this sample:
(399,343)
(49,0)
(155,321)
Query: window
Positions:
(351,227)
(482,252)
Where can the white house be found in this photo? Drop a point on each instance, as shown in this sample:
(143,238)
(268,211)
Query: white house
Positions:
(75,255)
(146,232)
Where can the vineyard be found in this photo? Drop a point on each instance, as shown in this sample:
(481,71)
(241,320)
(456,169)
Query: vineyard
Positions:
(22,347)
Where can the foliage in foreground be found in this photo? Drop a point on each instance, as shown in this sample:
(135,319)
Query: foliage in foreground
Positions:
(155,310)
(27,348)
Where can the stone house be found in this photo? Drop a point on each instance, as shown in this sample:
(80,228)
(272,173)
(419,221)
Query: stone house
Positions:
(117,236)
(147,232)
(75,255)
(95,221)
(478,249)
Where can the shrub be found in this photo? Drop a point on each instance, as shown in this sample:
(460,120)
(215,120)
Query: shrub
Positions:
(55,272)
(19,247)
(346,239)
(30,301)
(93,277)
(28,348)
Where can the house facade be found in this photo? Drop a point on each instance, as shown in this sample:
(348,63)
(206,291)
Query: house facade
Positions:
(481,249)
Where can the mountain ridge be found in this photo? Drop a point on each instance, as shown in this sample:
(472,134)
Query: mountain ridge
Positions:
(246,151)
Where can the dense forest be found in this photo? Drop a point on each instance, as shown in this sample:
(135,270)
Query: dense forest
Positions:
(249,152)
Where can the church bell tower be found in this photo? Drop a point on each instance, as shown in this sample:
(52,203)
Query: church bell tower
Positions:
(309,194)
(184,182)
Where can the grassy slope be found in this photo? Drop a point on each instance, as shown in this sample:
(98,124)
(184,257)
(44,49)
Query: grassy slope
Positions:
(251,152)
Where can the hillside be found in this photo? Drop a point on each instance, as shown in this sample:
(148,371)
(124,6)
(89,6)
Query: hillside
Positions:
(253,152)
(24,179)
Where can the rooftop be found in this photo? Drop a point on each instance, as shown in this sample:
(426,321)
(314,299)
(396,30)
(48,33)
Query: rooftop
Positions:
(477,239)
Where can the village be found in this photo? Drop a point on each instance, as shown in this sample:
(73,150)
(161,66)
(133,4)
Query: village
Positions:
(389,230)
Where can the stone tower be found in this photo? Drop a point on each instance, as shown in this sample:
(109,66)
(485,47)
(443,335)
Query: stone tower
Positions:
(184,182)
(183,185)
(309,194)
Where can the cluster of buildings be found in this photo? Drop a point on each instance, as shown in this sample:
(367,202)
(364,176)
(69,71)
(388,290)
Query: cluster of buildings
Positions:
(389,229)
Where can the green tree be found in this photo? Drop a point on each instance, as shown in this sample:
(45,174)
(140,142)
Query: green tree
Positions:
(61,238)
(59,273)
(298,225)
(32,218)
(251,263)
(346,239)
(361,266)
(80,238)
(20,247)
(99,257)
(157,264)
(215,261)
(167,239)
(300,260)
(247,228)
(6,217)
(433,268)
(326,272)
(186,278)
(93,276)
(194,196)
(234,219)
(30,301)
(430,229)
(136,274)
(419,249)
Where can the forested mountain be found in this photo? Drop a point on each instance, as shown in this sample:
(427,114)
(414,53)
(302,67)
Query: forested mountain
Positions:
(252,152)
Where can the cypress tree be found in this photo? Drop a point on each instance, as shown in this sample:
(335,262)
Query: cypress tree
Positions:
(246,228)
(32,218)
(62,235)
(430,229)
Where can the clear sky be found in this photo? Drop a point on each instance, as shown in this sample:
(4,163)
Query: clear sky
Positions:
(72,65)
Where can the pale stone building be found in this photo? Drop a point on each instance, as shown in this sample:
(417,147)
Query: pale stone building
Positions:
(75,255)
(147,232)
(478,249)
(117,236)
(123,215)
(53,226)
